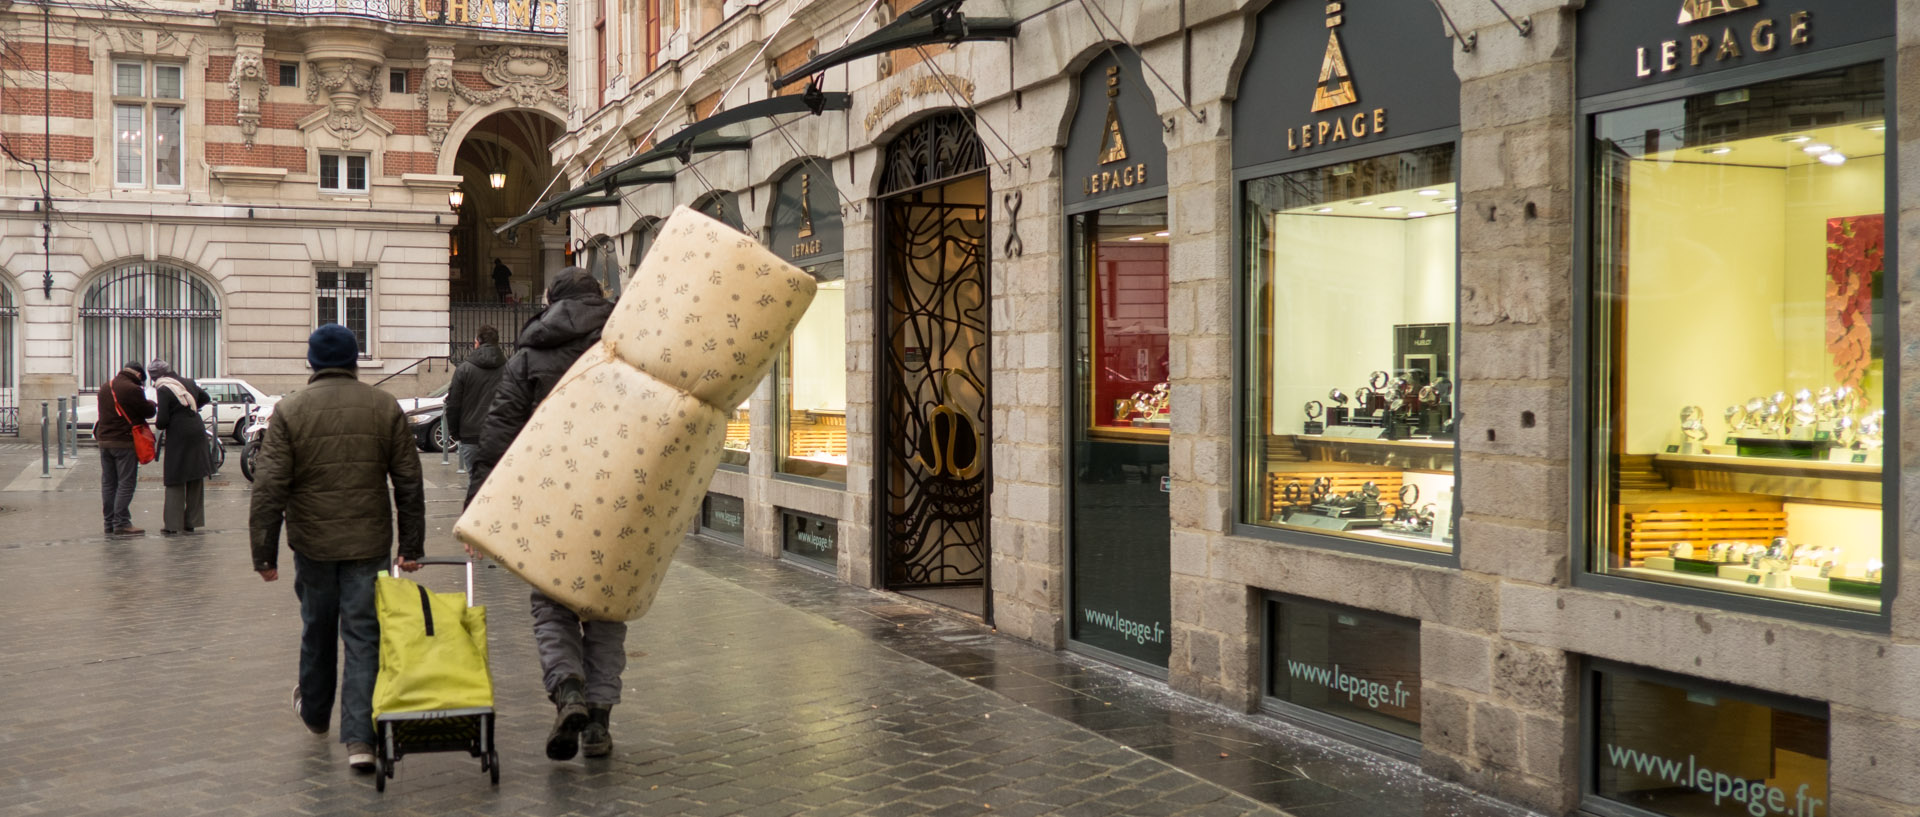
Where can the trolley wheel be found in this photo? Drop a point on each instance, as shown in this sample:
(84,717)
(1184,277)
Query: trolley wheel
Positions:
(382,769)
(492,764)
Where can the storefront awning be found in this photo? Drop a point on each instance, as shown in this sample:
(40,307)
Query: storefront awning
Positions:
(709,135)
(931,22)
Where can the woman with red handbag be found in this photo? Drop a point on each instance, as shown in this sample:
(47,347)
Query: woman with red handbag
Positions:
(126,443)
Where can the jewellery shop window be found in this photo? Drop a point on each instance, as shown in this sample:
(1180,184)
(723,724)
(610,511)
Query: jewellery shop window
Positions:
(1739,320)
(1122,252)
(1351,366)
(813,385)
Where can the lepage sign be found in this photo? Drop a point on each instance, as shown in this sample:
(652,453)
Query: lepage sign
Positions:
(1626,44)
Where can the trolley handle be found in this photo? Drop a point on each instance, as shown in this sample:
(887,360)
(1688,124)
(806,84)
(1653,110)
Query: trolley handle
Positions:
(444,560)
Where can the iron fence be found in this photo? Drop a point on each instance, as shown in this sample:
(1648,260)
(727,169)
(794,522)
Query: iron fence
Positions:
(534,16)
(467,318)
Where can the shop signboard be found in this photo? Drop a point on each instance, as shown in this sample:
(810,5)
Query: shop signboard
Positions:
(1114,148)
(1355,665)
(806,228)
(812,538)
(1632,44)
(724,517)
(1343,74)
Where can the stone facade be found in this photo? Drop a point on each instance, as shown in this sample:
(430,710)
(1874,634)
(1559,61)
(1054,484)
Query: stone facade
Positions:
(264,94)
(1505,632)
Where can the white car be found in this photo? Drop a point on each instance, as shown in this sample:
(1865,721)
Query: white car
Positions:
(231,397)
(433,399)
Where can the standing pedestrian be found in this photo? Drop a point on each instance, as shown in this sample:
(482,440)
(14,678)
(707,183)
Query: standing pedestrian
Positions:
(185,465)
(502,281)
(581,661)
(471,394)
(329,454)
(121,404)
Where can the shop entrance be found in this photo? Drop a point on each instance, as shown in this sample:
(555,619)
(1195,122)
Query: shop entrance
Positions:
(932,313)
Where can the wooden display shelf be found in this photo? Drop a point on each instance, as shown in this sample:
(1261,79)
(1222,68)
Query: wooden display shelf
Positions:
(1771,467)
(1645,522)
(1350,442)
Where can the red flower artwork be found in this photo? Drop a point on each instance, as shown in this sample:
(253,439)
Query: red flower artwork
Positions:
(1856,254)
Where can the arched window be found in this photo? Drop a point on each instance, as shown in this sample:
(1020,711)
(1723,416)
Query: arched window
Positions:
(145,310)
(603,263)
(9,363)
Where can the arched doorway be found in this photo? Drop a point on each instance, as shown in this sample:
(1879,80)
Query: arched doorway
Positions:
(9,362)
(933,430)
(493,279)
(147,310)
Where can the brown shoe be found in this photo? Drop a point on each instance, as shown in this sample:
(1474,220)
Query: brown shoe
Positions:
(130,531)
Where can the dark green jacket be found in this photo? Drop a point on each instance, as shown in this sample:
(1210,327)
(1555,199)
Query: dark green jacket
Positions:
(324,467)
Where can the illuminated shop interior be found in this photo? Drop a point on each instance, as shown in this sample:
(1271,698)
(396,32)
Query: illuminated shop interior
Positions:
(1741,321)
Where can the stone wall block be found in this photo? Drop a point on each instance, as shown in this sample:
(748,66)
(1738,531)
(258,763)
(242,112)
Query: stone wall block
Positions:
(1446,720)
(1516,489)
(1450,597)
(1496,735)
(1537,679)
(1188,553)
(1509,352)
(1527,419)
(1227,608)
(1456,658)
(1537,92)
(1519,552)
(1548,748)
(1483,164)
(1875,753)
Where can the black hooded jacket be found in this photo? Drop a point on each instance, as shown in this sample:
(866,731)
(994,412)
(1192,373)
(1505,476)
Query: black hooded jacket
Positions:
(549,345)
(470,396)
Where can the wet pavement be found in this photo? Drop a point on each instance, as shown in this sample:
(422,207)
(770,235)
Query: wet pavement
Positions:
(151,676)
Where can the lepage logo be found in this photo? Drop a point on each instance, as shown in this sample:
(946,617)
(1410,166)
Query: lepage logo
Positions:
(1692,10)
(1336,89)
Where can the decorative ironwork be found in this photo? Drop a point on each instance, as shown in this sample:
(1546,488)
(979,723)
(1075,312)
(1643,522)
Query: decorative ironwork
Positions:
(466,318)
(536,16)
(142,311)
(1014,247)
(9,366)
(937,409)
(942,147)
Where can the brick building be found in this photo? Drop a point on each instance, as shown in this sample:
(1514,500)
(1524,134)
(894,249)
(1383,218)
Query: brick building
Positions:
(1514,393)
(224,177)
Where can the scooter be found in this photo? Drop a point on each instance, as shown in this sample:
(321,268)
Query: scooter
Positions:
(256,432)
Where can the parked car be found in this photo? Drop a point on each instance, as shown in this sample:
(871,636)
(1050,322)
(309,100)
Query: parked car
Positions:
(231,398)
(428,430)
(433,399)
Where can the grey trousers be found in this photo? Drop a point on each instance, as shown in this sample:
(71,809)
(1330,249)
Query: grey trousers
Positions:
(119,473)
(186,506)
(594,651)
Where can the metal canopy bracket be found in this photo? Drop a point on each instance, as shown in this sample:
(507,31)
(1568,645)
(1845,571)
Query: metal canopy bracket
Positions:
(930,23)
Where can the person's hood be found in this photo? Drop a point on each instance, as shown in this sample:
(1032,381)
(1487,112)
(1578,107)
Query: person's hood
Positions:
(564,322)
(488,356)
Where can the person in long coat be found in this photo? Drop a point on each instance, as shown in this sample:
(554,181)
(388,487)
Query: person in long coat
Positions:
(185,464)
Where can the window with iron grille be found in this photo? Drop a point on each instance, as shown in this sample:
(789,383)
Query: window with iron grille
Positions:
(343,296)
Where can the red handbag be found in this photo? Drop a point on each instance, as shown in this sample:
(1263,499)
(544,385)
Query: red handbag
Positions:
(144,448)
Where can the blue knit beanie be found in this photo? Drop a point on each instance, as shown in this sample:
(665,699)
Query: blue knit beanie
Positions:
(332,347)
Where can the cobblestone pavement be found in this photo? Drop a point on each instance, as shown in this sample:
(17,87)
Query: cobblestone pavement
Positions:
(151,676)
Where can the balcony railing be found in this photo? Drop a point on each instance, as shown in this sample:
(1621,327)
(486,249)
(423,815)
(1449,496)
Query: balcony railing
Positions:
(532,16)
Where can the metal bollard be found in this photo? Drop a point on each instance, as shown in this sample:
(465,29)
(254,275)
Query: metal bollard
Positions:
(72,426)
(45,472)
(443,449)
(60,439)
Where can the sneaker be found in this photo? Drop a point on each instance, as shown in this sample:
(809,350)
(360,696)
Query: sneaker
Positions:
(318,730)
(596,738)
(360,757)
(570,716)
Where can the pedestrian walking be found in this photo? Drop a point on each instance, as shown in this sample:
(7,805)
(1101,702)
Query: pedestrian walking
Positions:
(185,463)
(471,395)
(122,403)
(324,468)
(581,660)
(502,281)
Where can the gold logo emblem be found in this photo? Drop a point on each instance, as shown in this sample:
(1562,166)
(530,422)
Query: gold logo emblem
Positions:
(1113,146)
(806,207)
(1336,85)
(1691,10)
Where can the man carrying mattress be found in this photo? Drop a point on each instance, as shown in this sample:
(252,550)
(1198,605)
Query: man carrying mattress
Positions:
(581,660)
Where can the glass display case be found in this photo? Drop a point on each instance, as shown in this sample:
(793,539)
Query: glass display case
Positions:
(813,385)
(1350,379)
(1739,317)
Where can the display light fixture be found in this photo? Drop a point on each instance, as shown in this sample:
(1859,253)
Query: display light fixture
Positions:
(1875,127)
(1163,234)
(1817,148)
(1393,208)
(1720,150)
(1833,158)
(1797,139)
(1417,214)
(1429,192)
(1323,209)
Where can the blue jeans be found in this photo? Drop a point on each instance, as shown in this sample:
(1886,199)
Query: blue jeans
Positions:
(336,605)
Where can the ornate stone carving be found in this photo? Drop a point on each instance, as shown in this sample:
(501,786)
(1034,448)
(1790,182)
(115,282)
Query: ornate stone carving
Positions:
(247,82)
(345,83)
(525,75)
(437,92)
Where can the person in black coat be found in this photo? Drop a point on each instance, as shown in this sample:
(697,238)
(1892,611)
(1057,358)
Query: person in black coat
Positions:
(581,661)
(185,464)
(471,395)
